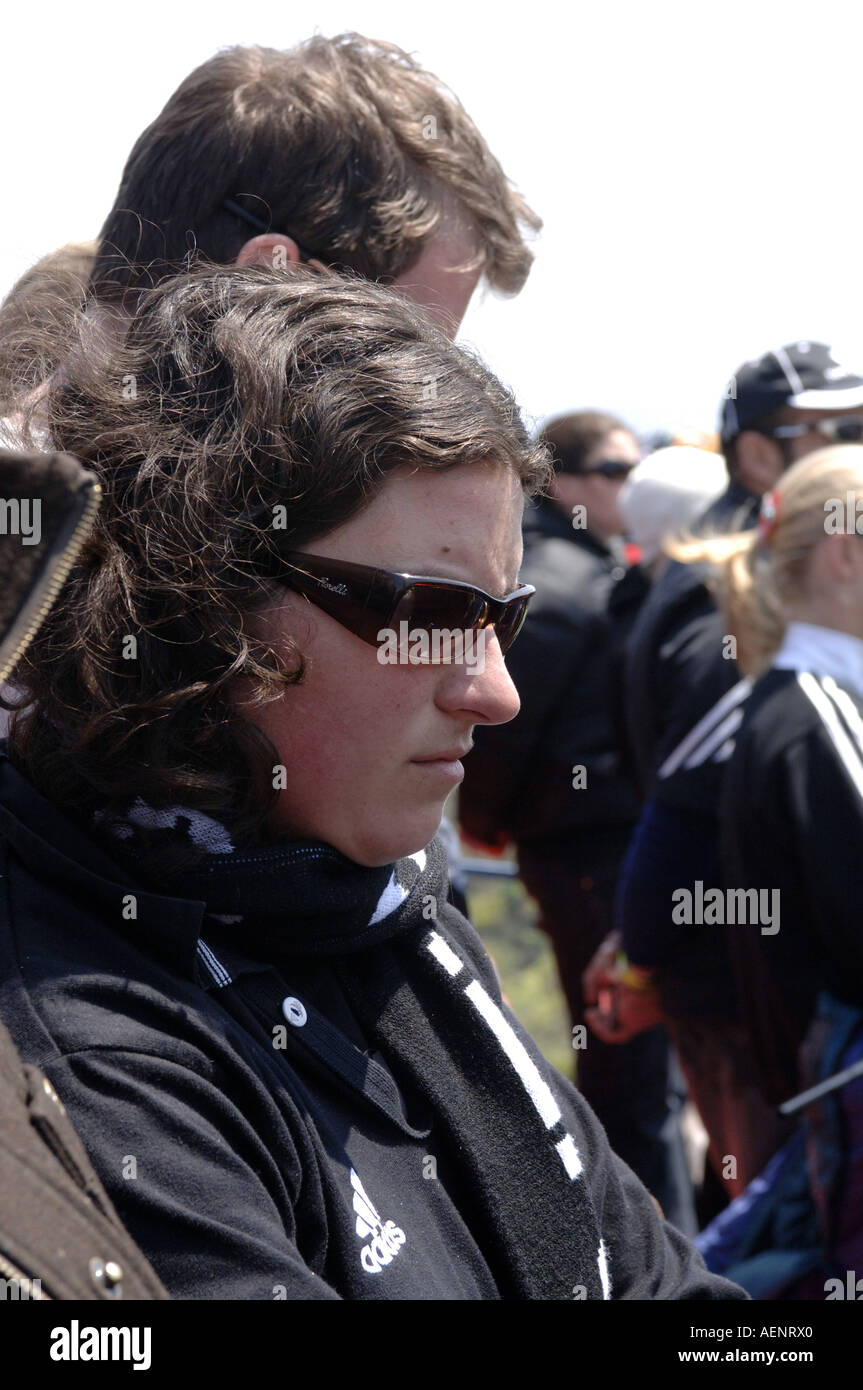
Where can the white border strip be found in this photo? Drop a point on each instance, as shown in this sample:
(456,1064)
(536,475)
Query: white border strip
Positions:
(517,1053)
(444,954)
(604,1272)
(569,1156)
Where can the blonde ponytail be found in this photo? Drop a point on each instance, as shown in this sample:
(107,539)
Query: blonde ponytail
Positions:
(757,574)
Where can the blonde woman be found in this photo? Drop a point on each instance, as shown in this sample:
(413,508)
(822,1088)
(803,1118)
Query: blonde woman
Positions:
(792,811)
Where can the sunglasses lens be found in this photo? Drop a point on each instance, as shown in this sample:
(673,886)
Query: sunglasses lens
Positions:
(847,431)
(432,606)
(436,608)
(442,612)
(612,469)
(510,624)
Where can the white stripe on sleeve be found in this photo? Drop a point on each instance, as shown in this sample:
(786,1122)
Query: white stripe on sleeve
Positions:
(846,707)
(215,967)
(849,755)
(569,1156)
(733,697)
(604,1274)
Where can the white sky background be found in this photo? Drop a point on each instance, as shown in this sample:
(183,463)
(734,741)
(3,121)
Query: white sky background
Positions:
(697,165)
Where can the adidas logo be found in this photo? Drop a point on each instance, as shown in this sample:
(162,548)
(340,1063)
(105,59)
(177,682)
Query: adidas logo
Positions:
(386,1240)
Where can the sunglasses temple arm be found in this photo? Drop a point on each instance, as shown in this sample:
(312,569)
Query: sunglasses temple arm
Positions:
(365,617)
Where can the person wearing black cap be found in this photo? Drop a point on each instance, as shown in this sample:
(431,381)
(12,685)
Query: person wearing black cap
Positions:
(685,697)
(792,850)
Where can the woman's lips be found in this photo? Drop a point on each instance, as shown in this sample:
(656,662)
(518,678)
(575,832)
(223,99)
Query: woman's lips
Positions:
(448,766)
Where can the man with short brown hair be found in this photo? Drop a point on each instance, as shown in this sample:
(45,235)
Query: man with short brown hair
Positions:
(340,151)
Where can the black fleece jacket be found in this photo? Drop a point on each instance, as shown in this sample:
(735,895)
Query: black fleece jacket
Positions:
(258,1151)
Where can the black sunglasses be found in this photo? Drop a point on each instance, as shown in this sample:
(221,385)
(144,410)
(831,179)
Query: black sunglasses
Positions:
(613,469)
(842,429)
(365,600)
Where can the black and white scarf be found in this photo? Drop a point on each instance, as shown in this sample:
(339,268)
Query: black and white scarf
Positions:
(414,992)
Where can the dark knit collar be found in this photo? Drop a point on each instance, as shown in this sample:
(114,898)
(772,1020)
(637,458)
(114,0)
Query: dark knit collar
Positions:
(308,899)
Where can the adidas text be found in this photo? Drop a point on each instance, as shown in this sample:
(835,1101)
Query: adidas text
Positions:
(386,1238)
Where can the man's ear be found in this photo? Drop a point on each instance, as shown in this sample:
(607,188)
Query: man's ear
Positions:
(759,462)
(272,249)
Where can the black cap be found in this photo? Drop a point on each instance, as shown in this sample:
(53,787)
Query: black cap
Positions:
(805,375)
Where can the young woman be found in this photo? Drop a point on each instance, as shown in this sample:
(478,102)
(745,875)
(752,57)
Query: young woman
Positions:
(227,940)
(793,812)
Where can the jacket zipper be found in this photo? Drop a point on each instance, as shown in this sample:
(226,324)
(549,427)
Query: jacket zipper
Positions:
(61,558)
(10,1271)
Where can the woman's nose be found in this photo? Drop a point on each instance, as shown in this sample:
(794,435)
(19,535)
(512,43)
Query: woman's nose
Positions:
(481,684)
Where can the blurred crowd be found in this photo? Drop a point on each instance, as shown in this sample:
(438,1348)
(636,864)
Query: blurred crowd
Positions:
(683,788)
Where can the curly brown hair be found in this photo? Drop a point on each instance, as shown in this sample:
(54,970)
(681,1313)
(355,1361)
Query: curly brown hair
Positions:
(236,396)
(346,144)
(37,318)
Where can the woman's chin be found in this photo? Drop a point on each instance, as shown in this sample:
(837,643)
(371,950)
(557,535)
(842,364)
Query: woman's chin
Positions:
(392,843)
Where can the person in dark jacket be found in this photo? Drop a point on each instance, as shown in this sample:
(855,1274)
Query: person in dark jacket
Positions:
(554,781)
(792,819)
(227,939)
(60,1237)
(660,500)
(686,697)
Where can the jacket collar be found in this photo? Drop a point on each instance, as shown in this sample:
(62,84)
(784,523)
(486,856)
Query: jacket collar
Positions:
(58,852)
(254,906)
(544,520)
(302,899)
(824,652)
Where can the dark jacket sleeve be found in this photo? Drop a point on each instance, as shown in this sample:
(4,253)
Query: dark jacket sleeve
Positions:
(827,802)
(189,1176)
(648,1258)
(792,821)
(57,1223)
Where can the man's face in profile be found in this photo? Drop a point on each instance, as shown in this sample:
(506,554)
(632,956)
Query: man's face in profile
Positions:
(434,282)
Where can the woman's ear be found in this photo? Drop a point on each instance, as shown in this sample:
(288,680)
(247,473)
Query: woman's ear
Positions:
(841,559)
(272,249)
